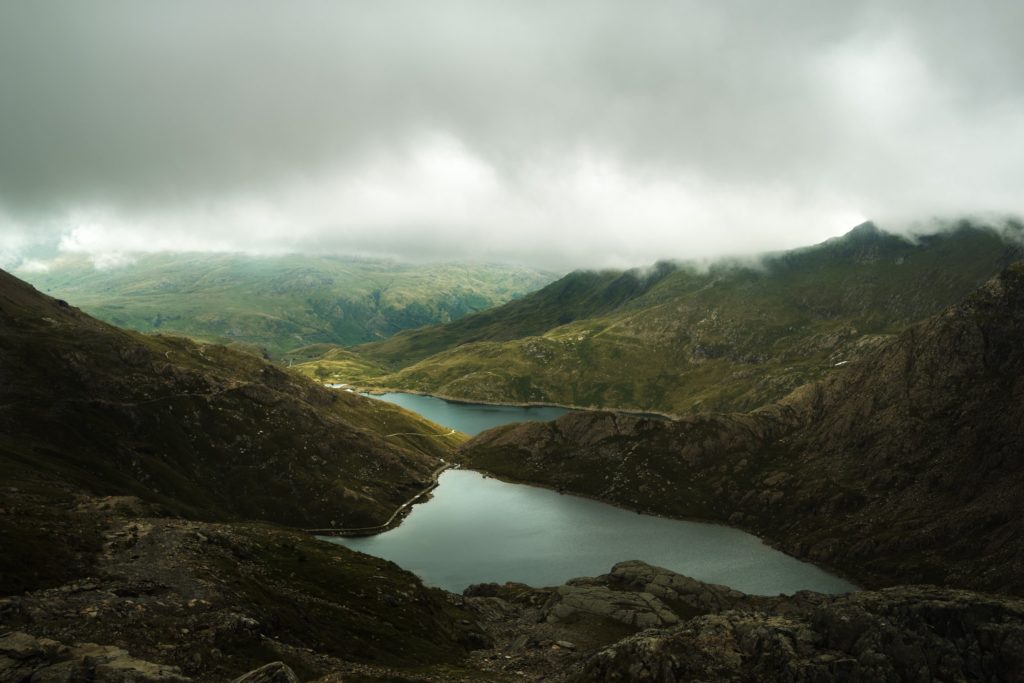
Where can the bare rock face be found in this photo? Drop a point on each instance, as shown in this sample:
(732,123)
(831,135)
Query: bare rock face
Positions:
(685,595)
(599,629)
(639,595)
(41,660)
(901,634)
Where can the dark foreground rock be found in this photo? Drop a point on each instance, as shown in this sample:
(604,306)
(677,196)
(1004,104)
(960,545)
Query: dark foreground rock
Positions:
(901,634)
(218,600)
(26,658)
(591,630)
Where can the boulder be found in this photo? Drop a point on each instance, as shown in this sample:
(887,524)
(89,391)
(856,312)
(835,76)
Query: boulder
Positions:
(24,657)
(570,603)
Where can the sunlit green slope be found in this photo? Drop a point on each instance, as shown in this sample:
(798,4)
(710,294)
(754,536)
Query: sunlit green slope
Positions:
(680,339)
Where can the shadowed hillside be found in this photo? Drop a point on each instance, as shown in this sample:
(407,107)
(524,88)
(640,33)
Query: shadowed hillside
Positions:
(905,466)
(199,430)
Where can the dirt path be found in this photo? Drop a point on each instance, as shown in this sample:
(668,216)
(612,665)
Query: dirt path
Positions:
(395,517)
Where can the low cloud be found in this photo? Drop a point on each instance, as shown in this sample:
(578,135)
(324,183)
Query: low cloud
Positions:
(565,135)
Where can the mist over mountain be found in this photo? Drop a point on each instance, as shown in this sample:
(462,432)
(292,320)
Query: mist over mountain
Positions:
(587,135)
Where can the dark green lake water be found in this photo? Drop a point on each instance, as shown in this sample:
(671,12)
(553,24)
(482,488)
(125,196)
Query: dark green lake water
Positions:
(477,530)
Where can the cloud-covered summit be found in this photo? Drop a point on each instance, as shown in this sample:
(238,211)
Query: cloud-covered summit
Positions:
(572,133)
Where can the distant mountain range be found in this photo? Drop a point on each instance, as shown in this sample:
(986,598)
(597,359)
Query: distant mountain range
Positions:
(682,339)
(274,304)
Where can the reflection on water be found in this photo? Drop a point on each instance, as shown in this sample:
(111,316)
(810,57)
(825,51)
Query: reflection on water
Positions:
(477,529)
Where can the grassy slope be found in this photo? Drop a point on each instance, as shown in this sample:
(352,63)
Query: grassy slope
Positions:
(202,430)
(279,303)
(682,340)
(579,295)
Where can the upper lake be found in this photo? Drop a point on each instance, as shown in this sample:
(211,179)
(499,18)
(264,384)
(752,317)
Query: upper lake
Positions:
(469,418)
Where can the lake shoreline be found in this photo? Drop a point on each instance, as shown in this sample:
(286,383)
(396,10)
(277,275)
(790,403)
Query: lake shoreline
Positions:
(677,518)
(423,404)
(716,542)
(396,518)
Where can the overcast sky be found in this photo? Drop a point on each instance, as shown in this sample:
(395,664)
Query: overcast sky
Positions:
(561,134)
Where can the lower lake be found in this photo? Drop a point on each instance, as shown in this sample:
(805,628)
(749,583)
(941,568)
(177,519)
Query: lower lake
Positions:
(478,529)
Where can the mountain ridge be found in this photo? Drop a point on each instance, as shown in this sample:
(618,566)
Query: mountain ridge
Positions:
(920,440)
(730,337)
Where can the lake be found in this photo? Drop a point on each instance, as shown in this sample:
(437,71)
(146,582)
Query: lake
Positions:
(477,529)
(469,418)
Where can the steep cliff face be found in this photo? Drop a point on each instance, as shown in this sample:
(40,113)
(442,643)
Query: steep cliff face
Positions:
(926,441)
(906,466)
(646,624)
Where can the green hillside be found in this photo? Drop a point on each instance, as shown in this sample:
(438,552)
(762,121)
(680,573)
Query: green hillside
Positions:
(282,302)
(681,339)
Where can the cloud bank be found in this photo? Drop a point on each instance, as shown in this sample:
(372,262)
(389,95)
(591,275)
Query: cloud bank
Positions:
(579,133)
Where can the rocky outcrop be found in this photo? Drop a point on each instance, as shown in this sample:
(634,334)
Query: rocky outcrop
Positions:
(25,658)
(904,468)
(903,634)
(217,600)
(42,660)
(684,595)
(582,600)
(639,595)
(711,633)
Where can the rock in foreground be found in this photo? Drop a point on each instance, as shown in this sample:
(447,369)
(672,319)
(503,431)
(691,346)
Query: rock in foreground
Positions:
(901,634)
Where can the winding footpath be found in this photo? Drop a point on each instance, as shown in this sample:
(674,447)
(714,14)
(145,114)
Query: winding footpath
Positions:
(395,517)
